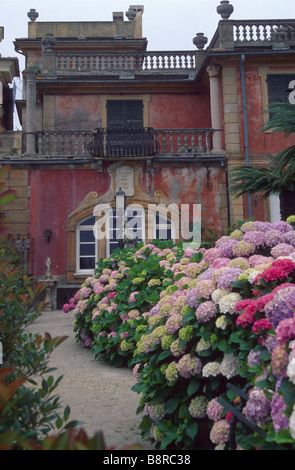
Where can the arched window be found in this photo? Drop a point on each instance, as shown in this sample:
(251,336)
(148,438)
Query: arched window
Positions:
(86,246)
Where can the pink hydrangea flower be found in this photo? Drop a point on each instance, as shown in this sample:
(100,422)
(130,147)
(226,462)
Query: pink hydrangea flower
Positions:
(219,433)
(66,308)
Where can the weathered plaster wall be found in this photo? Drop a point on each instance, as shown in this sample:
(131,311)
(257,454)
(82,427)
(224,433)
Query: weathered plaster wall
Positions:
(77,112)
(165,111)
(54,195)
(259,142)
(179,111)
(198,184)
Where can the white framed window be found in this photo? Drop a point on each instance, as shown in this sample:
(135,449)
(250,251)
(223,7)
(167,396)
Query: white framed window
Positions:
(134,221)
(86,246)
(164,226)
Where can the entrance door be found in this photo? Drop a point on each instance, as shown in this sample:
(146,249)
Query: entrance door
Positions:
(124,128)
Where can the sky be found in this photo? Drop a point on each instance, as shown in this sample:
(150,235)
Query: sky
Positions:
(167,24)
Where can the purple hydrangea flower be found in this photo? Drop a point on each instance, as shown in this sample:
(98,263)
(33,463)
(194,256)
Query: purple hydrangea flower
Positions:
(211,254)
(282,249)
(255,237)
(282,306)
(214,410)
(253,358)
(263,226)
(289,237)
(206,311)
(226,246)
(282,226)
(228,276)
(257,408)
(278,406)
(273,237)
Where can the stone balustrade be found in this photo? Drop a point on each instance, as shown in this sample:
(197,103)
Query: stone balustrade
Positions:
(184,141)
(274,34)
(168,142)
(263,32)
(115,62)
(65,144)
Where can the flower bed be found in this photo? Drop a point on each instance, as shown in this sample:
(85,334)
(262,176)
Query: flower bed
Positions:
(213,317)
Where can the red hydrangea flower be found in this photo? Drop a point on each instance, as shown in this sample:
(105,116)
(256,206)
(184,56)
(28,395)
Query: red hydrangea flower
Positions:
(242,304)
(262,324)
(272,273)
(285,264)
(262,301)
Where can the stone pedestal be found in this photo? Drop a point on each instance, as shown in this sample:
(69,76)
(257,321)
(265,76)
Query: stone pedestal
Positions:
(50,282)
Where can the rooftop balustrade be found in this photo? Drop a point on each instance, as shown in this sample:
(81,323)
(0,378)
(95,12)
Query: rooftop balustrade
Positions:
(114,62)
(275,34)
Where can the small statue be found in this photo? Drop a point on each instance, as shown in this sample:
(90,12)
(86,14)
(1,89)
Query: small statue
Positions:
(48,272)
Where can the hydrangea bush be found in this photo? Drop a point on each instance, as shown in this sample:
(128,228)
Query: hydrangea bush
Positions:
(191,322)
(110,308)
(232,322)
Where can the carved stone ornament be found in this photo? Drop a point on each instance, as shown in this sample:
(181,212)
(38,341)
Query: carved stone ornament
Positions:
(200,41)
(48,42)
(225,9)
(131,14)
(124,177)
(32,14)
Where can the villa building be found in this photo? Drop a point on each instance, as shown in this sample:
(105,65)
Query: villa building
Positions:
(101,113)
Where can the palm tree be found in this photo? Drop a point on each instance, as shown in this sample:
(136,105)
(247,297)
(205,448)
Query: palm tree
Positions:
(279,177)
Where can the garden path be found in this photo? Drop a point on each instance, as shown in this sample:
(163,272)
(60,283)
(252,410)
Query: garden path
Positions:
(98,394)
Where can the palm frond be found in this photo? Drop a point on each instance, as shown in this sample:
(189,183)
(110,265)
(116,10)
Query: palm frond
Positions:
(282,118)
(249,179)
(283,159)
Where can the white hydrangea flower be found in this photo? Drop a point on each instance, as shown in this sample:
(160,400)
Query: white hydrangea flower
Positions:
(211,369)
(291,370)
(203,345)
(218,294)
(229,366)
(228,302)
(221,322)
(292,423)
(252,276)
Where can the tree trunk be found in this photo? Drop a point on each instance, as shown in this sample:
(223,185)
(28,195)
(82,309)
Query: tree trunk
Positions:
(287,203)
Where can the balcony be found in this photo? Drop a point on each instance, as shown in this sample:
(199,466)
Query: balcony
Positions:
(114,62)
(118,64)
(120,143)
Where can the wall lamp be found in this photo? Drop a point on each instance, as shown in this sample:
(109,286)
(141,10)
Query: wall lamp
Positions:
(48,233)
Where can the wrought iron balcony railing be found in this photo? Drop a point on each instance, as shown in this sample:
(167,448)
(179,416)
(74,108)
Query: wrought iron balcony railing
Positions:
(123,143)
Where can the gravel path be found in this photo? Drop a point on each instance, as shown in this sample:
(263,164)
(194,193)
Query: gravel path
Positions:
(99,395)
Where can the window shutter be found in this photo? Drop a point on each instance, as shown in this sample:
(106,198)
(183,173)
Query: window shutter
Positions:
(125,113)
(115,113)
(134,113)
(278,87)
